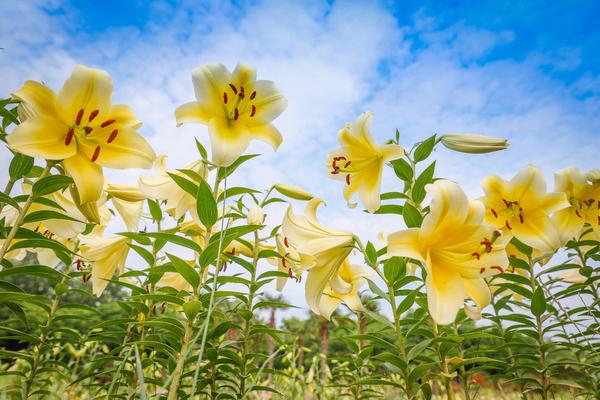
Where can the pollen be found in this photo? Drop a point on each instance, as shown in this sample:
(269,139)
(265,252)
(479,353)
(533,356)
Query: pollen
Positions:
(113,136)
(285,241)
(233,88)
(253,95)
(508,225)
(253,110)
(482,270)
(88,129)
(236,114)
(96,154)
(69,137)
(348,179)
(476,254)
(79,116)
(494,212)
(225,97)
(93,115)
(107,123)
(497,268)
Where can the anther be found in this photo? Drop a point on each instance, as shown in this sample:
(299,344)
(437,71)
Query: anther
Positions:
(253,110)
(577,212)
(498,268)
(69,137)
(289,272)
(225,97)
(494,212)
(482,270)
(93,115)
(106,123)
(285,241)
(242,92)
(521,218)
(253,95)
(347,164)
(88,129)
(96,154)
(236,114)
(113,136)
(508,225)
(348,179)
(476,254)
(233,88)
(79,116)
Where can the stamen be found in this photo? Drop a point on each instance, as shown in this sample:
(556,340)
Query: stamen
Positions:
(347,164)
(93,115)
(236,114)
(88,129)
(225,97)
(233,88)
(488,245)
(289,272)
(494,212)
(253,95)
(253,110)
(96,154)
(113,136)
(521,218)
(577,212)
(69,137)
(498,268)
(476,254)
(508,225)
(507,203)
(283,262)
(482,270)
(242,92)
(106,123)
(348,179)
(285,241)
(79,116)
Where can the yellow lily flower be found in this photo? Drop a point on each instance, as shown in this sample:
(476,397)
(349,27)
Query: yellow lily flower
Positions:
(573,276)
(359,162)
(584,199)
(329,248)
(291,262)
(129,202)
(343,288)
(456,248)
(175,281)
(235,107)
(521,208)
(162,187)
(80,126)
(106,255)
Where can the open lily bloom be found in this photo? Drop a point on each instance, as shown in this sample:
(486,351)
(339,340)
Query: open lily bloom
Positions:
(343,288)
(584,200)
(359,162)
(162,187)
(291,262)
(456,248)
(235,107)
(129,202)
(328,247)
(521,207)
(106,255)
(80,126)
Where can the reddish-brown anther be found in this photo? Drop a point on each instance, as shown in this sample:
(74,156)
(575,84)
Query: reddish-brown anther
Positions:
(113,136)
(69,137)
(253,95)
(233,88)
(225,97)
(106,123)
(93,115)
(96,154)
(79,116)
(253,110)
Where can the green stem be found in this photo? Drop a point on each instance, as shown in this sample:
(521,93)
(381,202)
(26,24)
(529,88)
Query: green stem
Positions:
(540,331)
(21,216)
(443,364)
(9,187)
(181,357)
(464,378)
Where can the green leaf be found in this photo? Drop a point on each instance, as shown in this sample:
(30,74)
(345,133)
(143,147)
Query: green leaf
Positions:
(226,171)
(50,184)
(20,166)
(201,149)
(370,254)
(8,115)
(185,270)
(538,302)
(172,238)
(45,215)
(412,216)
(407,302)
(403,169)
(155,210)
(206,205)
(426,177)
(235,191)
(424,149)
(394,268)
(145,254)
(6,199)
(187,185)
(389,209)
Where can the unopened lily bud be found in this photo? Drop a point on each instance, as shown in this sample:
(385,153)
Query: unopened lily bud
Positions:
(25,112)
(126,192)
(593,176)
(293,192)
(256,215)
(472,312)
(473,143)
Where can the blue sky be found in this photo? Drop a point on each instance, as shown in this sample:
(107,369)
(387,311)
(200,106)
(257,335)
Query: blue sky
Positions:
(527,71)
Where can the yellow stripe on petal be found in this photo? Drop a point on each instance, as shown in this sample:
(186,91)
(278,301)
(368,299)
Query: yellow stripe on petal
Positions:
(87,176)
(192,112)
(266,133)
(478,291)
(269,103)
(38,98)
(445,293)
(42,137)
(405,244)
(128,149)
(228,140)
(210,81)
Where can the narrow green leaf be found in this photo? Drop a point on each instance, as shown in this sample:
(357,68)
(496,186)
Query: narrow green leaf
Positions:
(403,169)
(370,254)
(426,177)
(412,216)
(155,210)
(424,149)
(538,302)
(185,270)
(201,149)
(45,215)
(187,185)
(226,171)
(206,205)
(51,184)
(20,166)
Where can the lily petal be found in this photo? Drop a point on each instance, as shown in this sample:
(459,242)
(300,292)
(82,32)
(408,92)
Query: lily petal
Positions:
(266,133)
(479,291)
(128,149)
(269,103)
(87,176)
(38,97)
(192,112)
(405,244)
(42,137)
(228,141)
(445,293)
(209,82)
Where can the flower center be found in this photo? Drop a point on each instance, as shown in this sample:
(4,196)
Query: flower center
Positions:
(341,164)
(238,103)
(511,213)
(81,129)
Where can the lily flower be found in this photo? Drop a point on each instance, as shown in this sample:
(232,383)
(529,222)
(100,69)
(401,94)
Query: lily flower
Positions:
(343,288)
(106,255)
(235,107)
(80,126)
(359,162)
(291,262)
(521,208)
(584,200)
(162,187)
(328,247)
(573,276)
(129,202)
(456,249)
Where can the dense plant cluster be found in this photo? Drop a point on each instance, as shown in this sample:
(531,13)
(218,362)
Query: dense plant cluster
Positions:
(156,289)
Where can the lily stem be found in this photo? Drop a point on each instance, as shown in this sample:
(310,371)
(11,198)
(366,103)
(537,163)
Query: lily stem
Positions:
(443,364)
(540,331)
(181,357)
(22,213)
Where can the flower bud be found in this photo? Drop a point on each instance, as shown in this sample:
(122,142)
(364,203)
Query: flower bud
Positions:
(89,210)
(256,215)
(593,176)
(125,192)
(293,192)
(473,143)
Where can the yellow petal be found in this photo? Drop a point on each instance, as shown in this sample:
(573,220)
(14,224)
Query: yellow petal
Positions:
(228,140)
(478,291)
(107,255)
(42,137)
(405,244)
(370,189)
(538,231)
(122,115)
(192,112)
(87,176)
(445,293)
(128,149)
(130,211)
(528,187)
(210,81)
(266,133)
(243,74)
(391,152)
(269,103)
(568,224)
(493,185)
(328,304)
(87,89)
(315,284)
(39,98)
(449,207)
(554,201)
